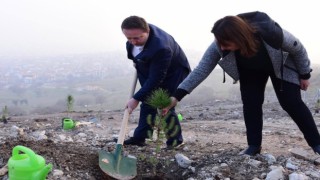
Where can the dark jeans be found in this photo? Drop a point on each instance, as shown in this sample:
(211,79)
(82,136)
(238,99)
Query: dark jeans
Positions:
(252,87)
(146,111)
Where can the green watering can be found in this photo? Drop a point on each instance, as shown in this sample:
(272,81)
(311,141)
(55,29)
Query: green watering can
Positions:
(68,123)
(27,165)
(180,117)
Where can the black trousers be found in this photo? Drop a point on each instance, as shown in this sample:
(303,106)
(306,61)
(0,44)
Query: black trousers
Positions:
(144,129)
(252,87)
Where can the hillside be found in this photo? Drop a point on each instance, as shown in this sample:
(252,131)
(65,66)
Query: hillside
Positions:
(214,134)
(99,82)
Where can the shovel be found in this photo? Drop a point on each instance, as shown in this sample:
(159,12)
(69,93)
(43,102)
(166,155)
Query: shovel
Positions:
(115,164)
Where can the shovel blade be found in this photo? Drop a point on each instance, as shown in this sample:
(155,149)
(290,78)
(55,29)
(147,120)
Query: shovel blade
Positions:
(117,166)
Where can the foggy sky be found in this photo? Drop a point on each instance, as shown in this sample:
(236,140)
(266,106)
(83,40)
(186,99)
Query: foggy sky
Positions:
(50,27)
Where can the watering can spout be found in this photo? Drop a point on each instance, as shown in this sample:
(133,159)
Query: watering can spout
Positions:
(44,172)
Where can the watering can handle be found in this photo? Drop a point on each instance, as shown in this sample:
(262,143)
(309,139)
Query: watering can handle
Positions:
(28,151)
(126,115)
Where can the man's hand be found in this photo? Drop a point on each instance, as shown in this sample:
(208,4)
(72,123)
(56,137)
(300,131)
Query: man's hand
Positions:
(304,84)
(132,104)
(174,102)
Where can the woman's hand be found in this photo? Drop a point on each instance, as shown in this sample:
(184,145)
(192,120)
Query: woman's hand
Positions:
(174,102)
(304,84)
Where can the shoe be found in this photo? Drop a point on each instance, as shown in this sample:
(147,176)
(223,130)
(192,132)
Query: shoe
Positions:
(175,146)
(316,149)
(132,141)
(253,150)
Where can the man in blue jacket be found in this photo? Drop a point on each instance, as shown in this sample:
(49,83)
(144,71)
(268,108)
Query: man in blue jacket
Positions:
(160,63)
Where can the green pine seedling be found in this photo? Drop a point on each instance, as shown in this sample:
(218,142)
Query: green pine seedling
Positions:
(70,102)
(159,99)
(5,114)
(162,128)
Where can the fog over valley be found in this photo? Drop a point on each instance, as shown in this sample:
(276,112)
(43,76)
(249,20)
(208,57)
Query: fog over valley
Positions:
(98,81)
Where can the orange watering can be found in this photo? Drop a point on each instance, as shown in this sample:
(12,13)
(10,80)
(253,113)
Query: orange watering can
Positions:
(27,165)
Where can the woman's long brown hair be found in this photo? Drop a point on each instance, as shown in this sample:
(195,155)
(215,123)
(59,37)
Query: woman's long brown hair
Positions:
(236,30)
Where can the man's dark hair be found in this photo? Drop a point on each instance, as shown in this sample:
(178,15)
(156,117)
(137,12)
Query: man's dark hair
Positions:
(135,22)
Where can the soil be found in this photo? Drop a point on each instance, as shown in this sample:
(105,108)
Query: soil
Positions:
(214,134)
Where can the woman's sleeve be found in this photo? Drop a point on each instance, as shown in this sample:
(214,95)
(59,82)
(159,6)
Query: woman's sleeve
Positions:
(298,53)
(206,65)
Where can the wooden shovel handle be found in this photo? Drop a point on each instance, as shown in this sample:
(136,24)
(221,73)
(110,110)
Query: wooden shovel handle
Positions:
(124,125)
(134,84)
(126,115)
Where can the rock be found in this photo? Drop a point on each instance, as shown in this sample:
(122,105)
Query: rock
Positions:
(301,153)
(296,176)
(57,172)
(291,166)
(182,160)
(4,170)
(254,163)
(270,158)
(276,173)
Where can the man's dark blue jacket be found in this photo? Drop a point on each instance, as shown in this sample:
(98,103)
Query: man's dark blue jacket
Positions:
(161,64)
